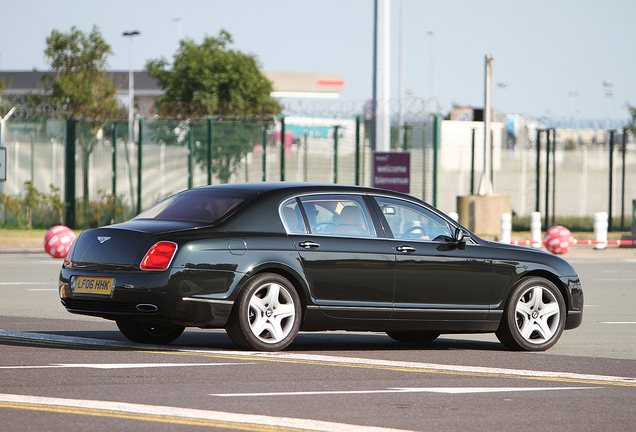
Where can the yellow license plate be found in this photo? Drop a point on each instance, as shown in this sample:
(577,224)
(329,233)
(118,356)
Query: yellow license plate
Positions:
(93,285)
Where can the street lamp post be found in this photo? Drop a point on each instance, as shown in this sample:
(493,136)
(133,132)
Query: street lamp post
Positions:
(131,85)
(608,97)
(432,72)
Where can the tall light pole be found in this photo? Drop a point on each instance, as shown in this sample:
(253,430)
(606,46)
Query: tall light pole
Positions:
(131,85)
(381,76)
(401,78)
(178,21)
(573,95)
(485,185)
(608,96)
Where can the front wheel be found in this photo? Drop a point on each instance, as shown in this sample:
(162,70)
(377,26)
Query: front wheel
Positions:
(267,314)
(534,316)
(140,332)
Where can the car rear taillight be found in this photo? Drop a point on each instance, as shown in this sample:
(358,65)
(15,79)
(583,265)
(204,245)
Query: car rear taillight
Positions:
(159,256)
(67,259)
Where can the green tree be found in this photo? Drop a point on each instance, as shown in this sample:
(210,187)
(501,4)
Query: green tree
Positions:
(632,124)
(213,79)
(79,63)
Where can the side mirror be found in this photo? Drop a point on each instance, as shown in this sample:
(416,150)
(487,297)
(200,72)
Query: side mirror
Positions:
(461,238)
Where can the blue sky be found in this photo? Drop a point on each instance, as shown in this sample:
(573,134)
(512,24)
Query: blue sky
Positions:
(554,55)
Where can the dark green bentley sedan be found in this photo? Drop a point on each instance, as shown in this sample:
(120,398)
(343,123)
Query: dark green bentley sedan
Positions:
(267,260)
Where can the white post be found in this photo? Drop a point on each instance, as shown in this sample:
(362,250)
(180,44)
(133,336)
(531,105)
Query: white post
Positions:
(600,230)
(485,185)
(131,85)
(401,79)
(382,77)
(506,228)
(535,230)
(454,216)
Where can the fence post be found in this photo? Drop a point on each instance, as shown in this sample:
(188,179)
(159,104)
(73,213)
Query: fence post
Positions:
(190,157)
(139,163)
(623,179)
(538,178)
(69,173)
(423,164)
(405,143)
(282,148)
(114,163)
(436,140)
(547,179)
(611,179)
(553,176)
(472,164)
(264,152)
(335,154)
(535,229)
(210,147)
(358,150)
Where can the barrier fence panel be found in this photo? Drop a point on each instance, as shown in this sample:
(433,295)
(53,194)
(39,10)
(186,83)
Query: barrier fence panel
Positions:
(175,155)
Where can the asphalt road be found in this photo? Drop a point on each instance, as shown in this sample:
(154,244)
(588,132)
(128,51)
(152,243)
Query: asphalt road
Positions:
(64,372)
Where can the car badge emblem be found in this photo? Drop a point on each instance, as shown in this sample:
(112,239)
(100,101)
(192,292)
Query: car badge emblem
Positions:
(103,239)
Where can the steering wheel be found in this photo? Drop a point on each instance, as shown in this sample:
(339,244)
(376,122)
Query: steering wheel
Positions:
(413,229)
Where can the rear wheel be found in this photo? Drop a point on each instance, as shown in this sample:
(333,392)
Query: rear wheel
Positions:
(534,317)
(141,332)
(413,336)
(267,314)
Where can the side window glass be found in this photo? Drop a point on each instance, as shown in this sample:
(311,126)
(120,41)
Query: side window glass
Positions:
(344,215)
(292,219)
(410,221)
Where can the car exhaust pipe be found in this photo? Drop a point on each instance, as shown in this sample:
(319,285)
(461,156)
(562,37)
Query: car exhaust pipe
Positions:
(145,307)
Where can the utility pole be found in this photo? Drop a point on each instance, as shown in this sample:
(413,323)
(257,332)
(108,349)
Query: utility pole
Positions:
(485,186)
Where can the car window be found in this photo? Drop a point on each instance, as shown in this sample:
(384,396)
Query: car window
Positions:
(292,218)
(410,221)
(195,206)
(345,215)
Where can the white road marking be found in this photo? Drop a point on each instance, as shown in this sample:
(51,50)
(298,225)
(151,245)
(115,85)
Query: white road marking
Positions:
(447,390)
(334,360)
(119,365)
(188,413)
(616,280)
(27,283)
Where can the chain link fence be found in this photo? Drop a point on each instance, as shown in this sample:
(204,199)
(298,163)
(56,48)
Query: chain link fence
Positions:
(116,170)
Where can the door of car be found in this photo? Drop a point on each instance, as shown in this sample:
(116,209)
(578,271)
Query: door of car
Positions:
(436,277)
(350,269)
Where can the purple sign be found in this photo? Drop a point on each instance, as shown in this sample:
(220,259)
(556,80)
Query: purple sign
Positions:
(392,171)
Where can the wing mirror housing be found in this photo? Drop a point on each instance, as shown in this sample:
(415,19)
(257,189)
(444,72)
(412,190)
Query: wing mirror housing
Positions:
(461,237)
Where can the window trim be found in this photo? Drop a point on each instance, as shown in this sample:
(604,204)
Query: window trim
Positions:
(378,229)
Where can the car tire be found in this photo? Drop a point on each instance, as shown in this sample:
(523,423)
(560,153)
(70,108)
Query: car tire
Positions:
(141,332)
(415,336)
(266,315)
(534,316)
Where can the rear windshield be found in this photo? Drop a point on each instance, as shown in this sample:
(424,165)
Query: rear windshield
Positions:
(199,206)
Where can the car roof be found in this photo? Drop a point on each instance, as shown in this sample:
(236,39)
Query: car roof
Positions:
(295,187)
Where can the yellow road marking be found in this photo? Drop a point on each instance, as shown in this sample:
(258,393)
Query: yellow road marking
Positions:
(149,417)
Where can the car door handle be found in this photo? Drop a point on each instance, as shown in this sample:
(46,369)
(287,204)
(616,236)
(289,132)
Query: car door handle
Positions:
(309,245)
(405,249)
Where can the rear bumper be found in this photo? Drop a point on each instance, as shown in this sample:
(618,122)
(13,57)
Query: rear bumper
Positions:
(151,298)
